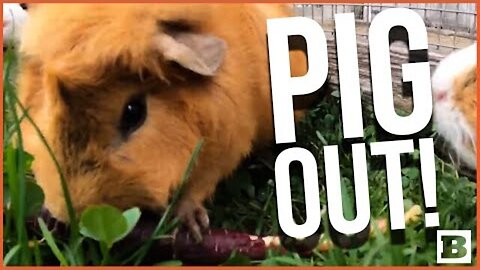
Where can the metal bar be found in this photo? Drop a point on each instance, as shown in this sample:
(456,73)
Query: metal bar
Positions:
(425,11)
(369,14)
(455,28)
(313,16)
(441,25)
(333,16)
(322,14)
(473,26)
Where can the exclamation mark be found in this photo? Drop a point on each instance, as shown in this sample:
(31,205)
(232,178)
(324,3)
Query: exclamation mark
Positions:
(427,163)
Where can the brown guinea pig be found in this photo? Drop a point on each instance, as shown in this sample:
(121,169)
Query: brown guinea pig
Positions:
(123,93)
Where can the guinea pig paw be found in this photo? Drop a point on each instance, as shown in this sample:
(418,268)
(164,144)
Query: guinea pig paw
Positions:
(194,216)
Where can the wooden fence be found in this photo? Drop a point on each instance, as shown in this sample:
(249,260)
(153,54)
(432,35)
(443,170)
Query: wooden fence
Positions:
(450,26)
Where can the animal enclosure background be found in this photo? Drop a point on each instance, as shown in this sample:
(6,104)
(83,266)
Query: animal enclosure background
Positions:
(242,214)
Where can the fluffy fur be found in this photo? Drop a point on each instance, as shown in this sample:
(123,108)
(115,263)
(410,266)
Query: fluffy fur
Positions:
(454,85)
(14,17)
(76,84)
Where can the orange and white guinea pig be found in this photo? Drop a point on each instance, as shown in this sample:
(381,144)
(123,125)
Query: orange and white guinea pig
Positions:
(454,86)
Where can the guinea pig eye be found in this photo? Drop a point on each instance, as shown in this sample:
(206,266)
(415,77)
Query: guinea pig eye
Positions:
(133,116)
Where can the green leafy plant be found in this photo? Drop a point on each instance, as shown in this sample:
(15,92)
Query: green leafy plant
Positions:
(246,202)
(107,225)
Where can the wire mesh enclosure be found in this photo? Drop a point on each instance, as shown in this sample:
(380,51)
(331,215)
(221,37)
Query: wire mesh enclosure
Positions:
(449,26)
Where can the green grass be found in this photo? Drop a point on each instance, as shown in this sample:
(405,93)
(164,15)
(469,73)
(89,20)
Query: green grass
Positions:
(246,202)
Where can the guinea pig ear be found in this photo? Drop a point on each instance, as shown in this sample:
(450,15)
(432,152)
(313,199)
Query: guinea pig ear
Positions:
(198,52)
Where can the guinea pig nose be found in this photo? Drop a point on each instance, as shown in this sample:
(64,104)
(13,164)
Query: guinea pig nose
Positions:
(439,96)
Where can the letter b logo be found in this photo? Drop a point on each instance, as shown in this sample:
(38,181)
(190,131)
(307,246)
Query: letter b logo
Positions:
(454,246)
